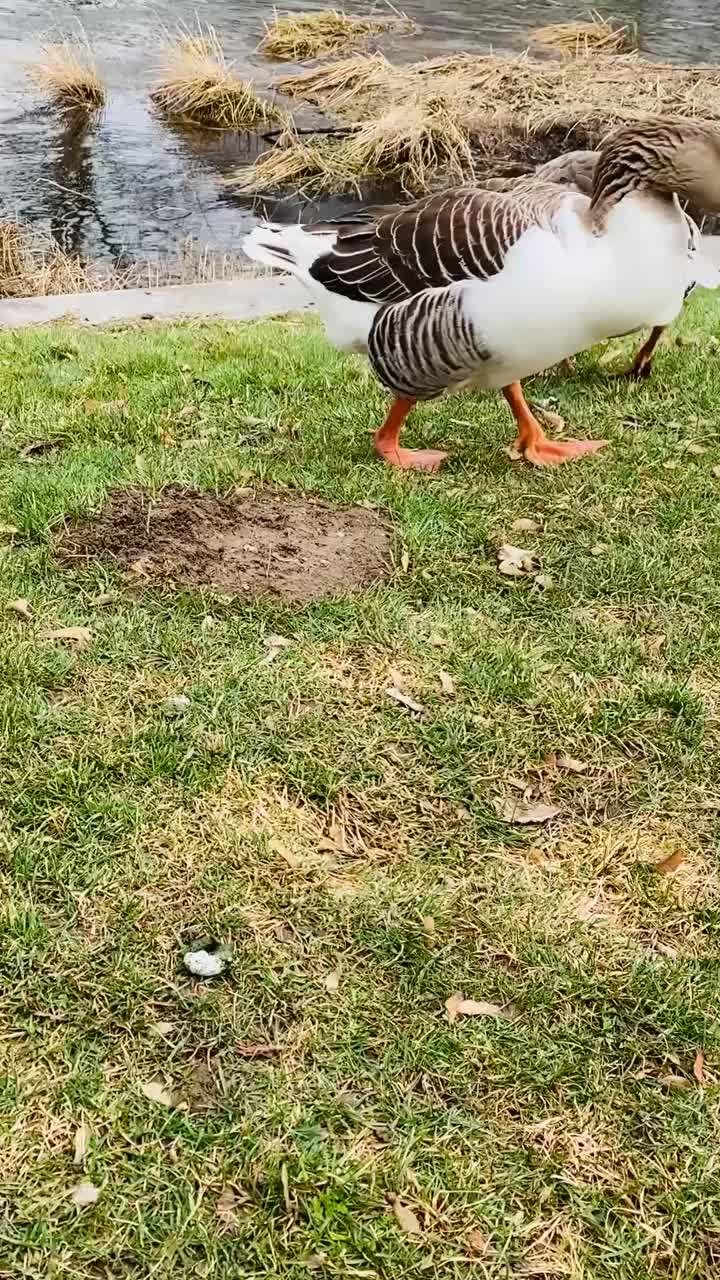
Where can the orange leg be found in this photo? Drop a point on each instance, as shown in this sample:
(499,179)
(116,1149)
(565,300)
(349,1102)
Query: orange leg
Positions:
(642,367)
(532,442)
(387,442)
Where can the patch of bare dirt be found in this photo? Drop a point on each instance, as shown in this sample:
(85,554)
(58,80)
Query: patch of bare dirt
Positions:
(243,544)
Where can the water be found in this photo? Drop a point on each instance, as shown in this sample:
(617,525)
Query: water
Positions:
(132,188)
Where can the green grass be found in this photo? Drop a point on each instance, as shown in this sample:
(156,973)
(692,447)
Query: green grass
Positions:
(565,1136)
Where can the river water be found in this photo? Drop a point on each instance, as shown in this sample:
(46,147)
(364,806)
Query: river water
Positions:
(131,188)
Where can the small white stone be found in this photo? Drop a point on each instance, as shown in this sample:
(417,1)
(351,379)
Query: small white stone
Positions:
(204,965)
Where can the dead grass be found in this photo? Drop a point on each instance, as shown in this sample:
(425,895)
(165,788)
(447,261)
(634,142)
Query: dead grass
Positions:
(198,85)
(294,37)
(412,144)
(447,119)
(67,75)
(32,265)
(595,36)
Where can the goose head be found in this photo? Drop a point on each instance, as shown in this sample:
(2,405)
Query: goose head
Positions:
(668,156)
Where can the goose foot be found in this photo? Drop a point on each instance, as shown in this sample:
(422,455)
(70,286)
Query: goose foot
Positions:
(550,453)
(387,443)
(642,364)
(532,442)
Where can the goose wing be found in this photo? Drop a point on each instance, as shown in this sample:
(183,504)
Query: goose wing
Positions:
(457,235)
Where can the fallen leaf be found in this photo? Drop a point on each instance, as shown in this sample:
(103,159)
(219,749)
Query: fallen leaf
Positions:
(516,562)
(405,561)
(111,408)
(542,582)
(668,865)
(476,1241)
(666,950)
(404,699)
(38,448)
(671,1081)
(226,1209)
(447,684)
(569,764)
(438,641)
(332,981)
(699,1067)
(100,601)
(696,449)
(610,356)
(162,1028)
(276,644)
(550,418)
(176,704)
(716,472)
(258,1050)
(154,1091)
(428,925)
(525,525)
(22,608)
(518,811)
(515,455)
(81,1145)
(599,549)
(672,465)
(292,859)
(79,636)
(457,1006)
(8,530)
(406,1219)
(166,439)
(84,1194)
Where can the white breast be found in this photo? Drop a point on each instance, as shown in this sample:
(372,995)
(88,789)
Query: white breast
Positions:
(563,290)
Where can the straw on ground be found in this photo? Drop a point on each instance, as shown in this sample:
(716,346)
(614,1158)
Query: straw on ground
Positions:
(198,85)
(66,73)
(594,36)
(294,37)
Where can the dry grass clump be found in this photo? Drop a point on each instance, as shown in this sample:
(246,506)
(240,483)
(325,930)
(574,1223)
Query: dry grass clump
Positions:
(293,37)
(595,36)
(198,85)
(492,92)
(67,75)
(33,265)
(411,144)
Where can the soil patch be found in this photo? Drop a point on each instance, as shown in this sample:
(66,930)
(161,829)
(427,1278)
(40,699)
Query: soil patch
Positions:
(244,545)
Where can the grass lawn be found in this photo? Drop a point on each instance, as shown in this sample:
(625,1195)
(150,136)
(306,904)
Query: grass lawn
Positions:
(347,848)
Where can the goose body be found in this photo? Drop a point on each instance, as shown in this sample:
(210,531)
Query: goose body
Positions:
(480,288)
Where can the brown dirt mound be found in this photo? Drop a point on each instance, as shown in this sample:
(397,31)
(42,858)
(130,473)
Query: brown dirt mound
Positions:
(243,545)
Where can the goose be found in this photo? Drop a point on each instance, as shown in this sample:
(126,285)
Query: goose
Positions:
(481,289)
(575,170)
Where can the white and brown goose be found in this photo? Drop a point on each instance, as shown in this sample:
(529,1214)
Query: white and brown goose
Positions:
(474,288)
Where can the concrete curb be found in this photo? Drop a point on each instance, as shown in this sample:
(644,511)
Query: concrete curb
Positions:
(248,299)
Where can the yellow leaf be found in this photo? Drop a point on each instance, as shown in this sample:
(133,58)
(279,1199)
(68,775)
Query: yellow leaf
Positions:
(154,1091)
(517,811)
(668,865)
(81,1144)
(406,1219)
(22,608)
(332,981)
(447,684)
(79,636)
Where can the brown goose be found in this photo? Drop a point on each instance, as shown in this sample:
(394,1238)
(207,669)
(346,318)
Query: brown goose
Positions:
(479,288)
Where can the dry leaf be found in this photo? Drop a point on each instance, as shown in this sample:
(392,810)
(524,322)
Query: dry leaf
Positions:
(525,525)
(8,530)
(668,865)
(38,448)
(599,549)
(518,811)
(82,1142)
(405,561)
(428,925)
(293,859)
(516,562)
(332,981)
(550,418)
(447,684)
(276,644)
(699,1067)
(84,1194)
(438,641)
(154,1091)
(111,408)
(165,438)
(542,582)
(406,1219)
(515,455)
(610,356)
(162,1028)
(716,472)
(22,608)
(228,1203)
(457,1006)
(476,1242)
(258,1050)
(569,764)
(696,449)
(101,600)
(403,699)
(79,636)
(671,1081)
